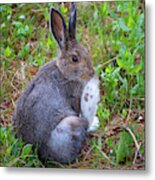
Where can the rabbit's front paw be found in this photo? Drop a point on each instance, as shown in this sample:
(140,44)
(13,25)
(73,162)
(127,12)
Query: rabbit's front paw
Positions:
(95,125)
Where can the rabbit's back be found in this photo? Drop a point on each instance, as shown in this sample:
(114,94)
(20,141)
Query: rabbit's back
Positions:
(47,100)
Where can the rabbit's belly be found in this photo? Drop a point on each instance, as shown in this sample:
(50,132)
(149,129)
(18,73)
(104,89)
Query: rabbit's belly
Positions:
(90,98)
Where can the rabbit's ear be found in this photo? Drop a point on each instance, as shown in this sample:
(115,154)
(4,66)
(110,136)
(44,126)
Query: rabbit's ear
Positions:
(72,21)
(58,27)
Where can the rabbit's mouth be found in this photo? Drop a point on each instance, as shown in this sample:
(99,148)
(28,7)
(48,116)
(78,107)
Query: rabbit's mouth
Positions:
(87,77)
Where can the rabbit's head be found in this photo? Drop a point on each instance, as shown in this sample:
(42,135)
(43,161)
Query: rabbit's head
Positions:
(74,61)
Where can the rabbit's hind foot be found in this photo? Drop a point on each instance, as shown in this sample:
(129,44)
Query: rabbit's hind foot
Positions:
(66,139)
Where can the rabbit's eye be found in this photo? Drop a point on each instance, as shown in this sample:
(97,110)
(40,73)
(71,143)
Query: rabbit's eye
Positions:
(75,58)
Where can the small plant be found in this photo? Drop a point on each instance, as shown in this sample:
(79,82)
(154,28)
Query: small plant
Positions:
(15,153)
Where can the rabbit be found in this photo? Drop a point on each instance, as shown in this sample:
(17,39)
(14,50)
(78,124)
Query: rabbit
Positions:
(48,114)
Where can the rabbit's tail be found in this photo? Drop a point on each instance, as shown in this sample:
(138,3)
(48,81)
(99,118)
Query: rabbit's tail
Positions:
(66,139)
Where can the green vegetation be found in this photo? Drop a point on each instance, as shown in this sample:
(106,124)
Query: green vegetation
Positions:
(114,34)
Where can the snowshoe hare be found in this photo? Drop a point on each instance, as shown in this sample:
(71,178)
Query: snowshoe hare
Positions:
(57,109)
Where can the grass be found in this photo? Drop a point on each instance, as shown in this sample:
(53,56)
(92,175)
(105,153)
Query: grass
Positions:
(114,34)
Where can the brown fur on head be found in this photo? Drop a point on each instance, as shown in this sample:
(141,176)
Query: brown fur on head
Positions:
(74,62)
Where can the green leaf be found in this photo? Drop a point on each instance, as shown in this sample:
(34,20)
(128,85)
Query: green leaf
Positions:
(27,149)
(95,15)
(8,150)
(64,10)
(120,62)
(122,25)
(104,8)
(131,23)
(136,69)
(123,148)
(7,52)
(135,89)
(17,24)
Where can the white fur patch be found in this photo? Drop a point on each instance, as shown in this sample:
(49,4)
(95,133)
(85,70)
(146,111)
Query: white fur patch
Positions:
(60,136)
(95,124)
(90,98)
